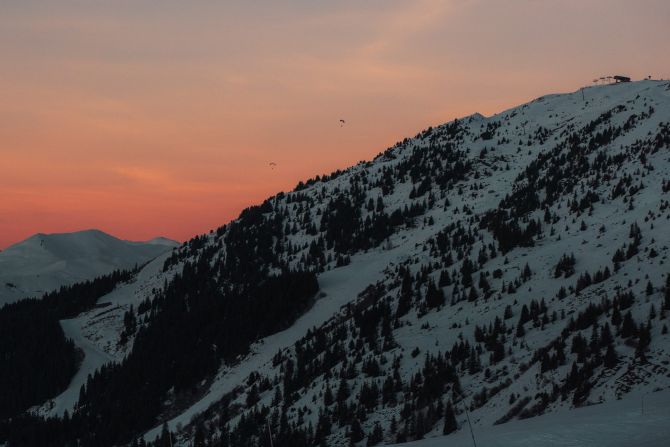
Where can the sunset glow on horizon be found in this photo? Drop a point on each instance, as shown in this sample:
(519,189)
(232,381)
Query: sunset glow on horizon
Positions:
(145,119)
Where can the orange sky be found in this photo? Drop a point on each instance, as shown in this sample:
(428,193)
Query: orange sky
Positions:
(146,118)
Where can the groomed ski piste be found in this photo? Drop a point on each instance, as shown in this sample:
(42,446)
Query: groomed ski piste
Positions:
(337,286)
(97,333)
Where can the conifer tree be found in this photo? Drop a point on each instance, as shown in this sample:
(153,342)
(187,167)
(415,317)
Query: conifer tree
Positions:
(450,424)
(611,359)
(356,433)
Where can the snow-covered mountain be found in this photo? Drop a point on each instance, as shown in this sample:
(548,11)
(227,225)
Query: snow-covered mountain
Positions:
(488,270)
(44,262)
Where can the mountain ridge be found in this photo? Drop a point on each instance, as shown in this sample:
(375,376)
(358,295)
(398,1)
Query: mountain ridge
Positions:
(510,266)
(43,262)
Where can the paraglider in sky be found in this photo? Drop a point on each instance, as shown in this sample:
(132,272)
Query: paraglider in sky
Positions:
(272,164)
(342,123)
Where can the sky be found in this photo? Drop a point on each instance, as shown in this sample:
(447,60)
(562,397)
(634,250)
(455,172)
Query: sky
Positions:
(145,118)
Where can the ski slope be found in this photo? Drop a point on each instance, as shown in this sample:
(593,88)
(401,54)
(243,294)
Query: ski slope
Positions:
(337,288)
(97,333)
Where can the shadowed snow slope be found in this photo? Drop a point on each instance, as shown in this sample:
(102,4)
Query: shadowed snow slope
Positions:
(615,424)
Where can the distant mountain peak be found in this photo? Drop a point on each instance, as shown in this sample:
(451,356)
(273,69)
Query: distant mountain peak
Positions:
(160,240)
(46,261)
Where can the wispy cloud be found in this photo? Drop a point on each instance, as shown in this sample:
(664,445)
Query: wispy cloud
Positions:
(138,104)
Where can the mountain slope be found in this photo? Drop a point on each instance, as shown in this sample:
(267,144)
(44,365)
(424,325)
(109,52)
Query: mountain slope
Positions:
(44,262)
(99,333)
(634,420)
(597,146)
(513,265)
